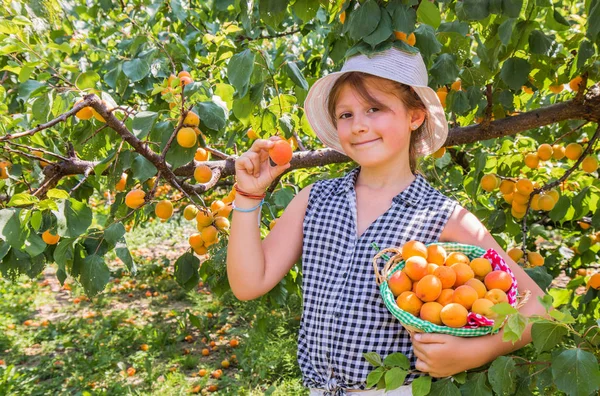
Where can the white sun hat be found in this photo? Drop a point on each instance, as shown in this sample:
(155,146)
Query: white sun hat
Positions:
(395,65)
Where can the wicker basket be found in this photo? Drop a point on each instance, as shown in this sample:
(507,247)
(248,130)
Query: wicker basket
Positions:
(478,325)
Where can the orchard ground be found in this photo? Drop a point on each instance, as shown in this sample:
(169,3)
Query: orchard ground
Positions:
(137,337)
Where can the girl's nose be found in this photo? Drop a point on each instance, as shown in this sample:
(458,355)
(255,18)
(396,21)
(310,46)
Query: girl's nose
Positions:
(359,124)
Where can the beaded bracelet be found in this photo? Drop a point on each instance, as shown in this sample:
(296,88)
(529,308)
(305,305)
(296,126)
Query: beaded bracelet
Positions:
(262,201)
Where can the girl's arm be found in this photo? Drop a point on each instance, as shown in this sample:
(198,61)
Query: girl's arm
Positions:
(441,355)
(253,266)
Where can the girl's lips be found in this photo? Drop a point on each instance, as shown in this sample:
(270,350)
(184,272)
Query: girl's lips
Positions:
(363,143)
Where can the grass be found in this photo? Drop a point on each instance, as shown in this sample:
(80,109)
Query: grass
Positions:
(53,340)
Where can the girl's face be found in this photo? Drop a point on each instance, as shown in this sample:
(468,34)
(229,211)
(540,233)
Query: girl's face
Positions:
(373,135)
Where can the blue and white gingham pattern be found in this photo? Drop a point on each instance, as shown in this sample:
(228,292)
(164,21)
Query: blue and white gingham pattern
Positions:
(344,314)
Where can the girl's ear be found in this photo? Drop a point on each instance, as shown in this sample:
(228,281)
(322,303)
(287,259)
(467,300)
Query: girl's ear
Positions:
(417,117)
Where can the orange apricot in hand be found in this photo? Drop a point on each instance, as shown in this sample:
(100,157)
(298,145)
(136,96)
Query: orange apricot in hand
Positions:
(415,267)
(481,266)
(446,275)
(429,288)
(456,257)
(463,273)
(496,296)
(454,315)
(281,152)
(409,302)
(430,311)
(483,306)
(478,286)
(399,282)
(436,254)
(498,280)
(414,248)
(465,296)
(446,297)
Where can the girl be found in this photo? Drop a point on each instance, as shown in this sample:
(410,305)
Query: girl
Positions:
(380,112)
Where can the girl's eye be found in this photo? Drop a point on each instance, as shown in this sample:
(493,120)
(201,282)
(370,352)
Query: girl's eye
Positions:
(373,109)
(344,116)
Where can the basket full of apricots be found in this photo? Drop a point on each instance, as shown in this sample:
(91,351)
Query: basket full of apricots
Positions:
(447,288)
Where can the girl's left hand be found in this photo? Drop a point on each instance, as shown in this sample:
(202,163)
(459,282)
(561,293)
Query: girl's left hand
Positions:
(442,355)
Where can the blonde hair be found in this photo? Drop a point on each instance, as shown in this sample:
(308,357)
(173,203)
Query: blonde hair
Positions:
(410,99)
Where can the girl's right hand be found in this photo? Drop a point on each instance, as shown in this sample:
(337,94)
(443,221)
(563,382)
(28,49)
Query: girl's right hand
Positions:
(253,172)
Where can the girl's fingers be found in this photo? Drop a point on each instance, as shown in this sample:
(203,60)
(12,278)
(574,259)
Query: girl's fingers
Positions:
(245,164)
(255,159)
(260,145)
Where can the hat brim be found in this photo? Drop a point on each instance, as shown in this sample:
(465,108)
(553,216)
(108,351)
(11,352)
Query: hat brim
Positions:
(316,105)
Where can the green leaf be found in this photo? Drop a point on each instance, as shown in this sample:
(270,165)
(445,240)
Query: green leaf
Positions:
(427,42)
(4,248)
(514,327)
(136,69)
(64,253)
(306,9)
(404,19)
(364,20)
(421,386)
(576,372)
(212,115)
(114,233)
(504,309)
(512,8)
(476,385)
(383,31)
(547,335)
(272,11)
(429,14)
(10,228)
(73,218)
(125,256)
(239,71)
(142,168)
(374,377)
(283,197)
(506,30)
(186,270)
(586,51)
(502,375)
(472,10)
(34,245)
(539,43)
(57,193)
(444,387)
(143,122)
(397,359)
(444,69)
(560,209)
(460,102)
(541,276)
(94,275)
(23,199)
(373,358)
(514,72)
(593,21)
(36,220)
(455,26)
(296,75)
(87,80)
(394,378)
(178,10)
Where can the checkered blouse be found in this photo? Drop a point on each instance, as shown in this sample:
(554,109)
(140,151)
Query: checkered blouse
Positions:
(344,314)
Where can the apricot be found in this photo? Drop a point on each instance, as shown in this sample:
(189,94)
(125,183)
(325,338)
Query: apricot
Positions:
(201,154)
(508,198)
(436,254)
(409,302)
(225,210)
(498,280)
(594,281)
(209,234)
(456,86)
(120,186)
(535,259)
(520,198)
(191,119)
(430,311)
(439,153)
(496,296)
(190,212)
(222,223)
(545,152)
(524,186)
(399,282)
(431,268)
(85,113)
(573,151)
(554,194)
(201,251)
(518,207)
(281,153)
(507,186)
(463,273)
(446,296)
(216,205)
(49,238)
(186,137)
(478,286)
(589,164)
(429,288)
(343,17)
(164,209)
(97,116)
(454,315)
(251,134)
(196,241)
(558,152)
(183,73)
(535,202)
(465,296)
(202,174)
(546,202)
(481,266)
(575,83)
(204,218)
(415,267)
(490,182)
(515,253)
(483,306)
(185,80)
(532,160)
(556,88)
(442,93)
(135,198)
(456,257)
(414,248)
(446,275)
(408,39)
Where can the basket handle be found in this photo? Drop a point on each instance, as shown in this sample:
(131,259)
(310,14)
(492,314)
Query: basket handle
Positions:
(380,277)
